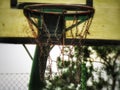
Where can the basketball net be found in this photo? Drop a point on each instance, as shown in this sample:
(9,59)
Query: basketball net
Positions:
(73,30)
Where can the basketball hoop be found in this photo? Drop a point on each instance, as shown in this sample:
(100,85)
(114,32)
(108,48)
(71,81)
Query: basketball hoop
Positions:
(48,23)
(50,20)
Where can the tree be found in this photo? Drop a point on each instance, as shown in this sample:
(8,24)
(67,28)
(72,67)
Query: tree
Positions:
(110,58)
(104,76)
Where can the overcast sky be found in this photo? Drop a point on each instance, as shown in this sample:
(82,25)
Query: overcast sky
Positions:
(14,58)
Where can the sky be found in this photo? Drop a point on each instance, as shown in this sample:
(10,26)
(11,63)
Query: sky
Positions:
(14,58)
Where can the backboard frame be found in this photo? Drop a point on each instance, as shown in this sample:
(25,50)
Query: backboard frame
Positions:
(88,42)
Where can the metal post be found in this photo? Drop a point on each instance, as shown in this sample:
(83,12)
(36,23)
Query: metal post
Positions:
(37,81)
(34,83)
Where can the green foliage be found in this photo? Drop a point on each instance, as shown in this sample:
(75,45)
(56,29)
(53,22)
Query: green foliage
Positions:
(76,74)
(104,51)
(110,60)
(83,76)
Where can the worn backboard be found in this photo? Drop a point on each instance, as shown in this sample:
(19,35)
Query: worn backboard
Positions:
(104,29)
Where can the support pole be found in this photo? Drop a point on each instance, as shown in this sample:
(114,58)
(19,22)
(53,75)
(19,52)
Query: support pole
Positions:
(28,52)
(37,81)
(35,77)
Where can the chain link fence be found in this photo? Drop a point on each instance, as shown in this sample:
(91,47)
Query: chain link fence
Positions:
(14,81)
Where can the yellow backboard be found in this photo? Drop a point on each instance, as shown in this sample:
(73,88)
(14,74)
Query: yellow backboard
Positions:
(103,30)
